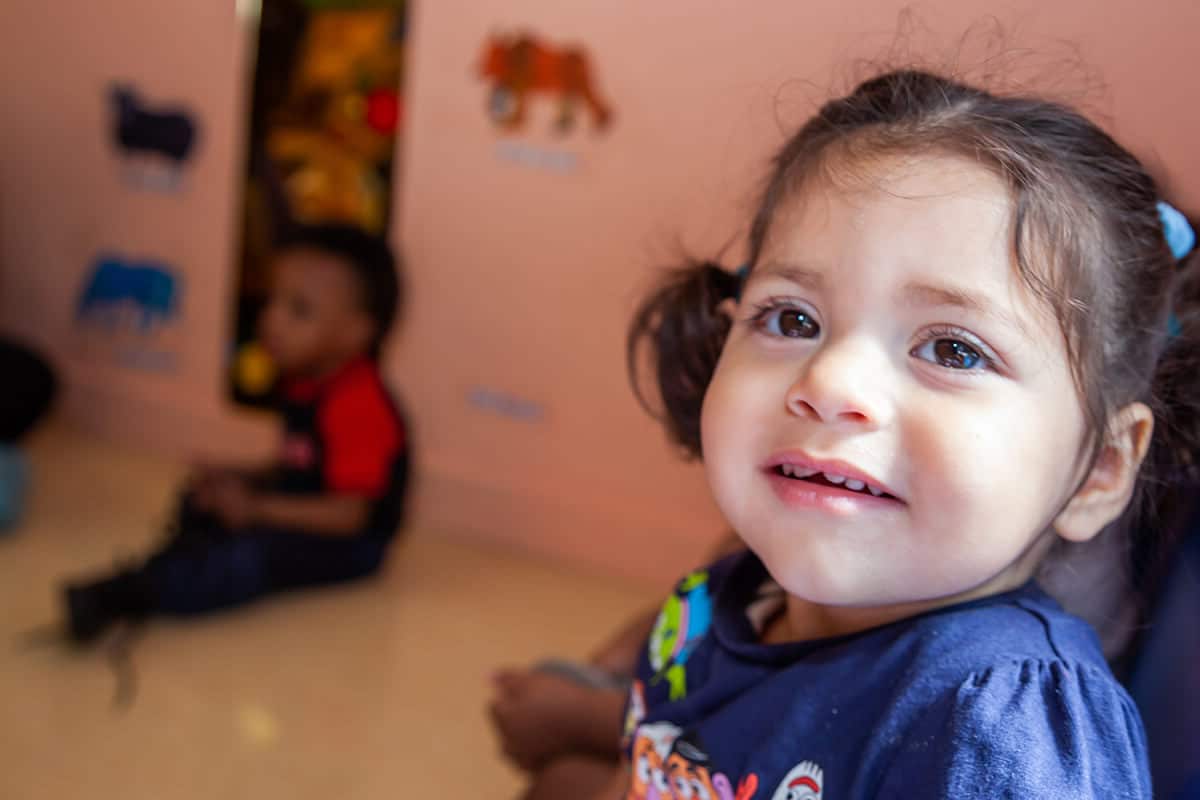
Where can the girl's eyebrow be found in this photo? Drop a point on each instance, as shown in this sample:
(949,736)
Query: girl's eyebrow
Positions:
(931,295)
(801,276)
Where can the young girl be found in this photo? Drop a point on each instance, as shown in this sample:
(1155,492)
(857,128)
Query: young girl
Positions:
(959,347)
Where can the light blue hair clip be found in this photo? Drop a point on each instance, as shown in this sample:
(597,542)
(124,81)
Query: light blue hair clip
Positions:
(1173,326)
(1180,236)
(1181,239)
(742,273)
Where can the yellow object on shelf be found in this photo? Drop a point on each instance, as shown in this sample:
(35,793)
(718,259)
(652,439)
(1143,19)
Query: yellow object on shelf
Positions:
(253,370)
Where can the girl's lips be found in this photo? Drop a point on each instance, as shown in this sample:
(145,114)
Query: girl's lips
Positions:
(801,461)
(799,493)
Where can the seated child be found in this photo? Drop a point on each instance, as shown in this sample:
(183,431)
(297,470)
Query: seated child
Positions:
(327,509)
(962,346)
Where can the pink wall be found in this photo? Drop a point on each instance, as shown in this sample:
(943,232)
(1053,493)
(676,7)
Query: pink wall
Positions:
(522,279)
(63,199)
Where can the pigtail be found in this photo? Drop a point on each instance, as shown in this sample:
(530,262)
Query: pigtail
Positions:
(1171,472)
(1175,449)
(682,325)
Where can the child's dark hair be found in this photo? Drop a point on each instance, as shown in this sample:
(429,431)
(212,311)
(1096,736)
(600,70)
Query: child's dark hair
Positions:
(1087,240)
(372,262)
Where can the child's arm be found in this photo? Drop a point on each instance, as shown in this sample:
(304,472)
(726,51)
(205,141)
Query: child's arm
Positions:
(322,514)
(619,654)
(618,785)
(541,716)
(327,514)
(577,777)
(205,474)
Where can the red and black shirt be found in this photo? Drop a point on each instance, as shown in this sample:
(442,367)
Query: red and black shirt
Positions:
(344,434)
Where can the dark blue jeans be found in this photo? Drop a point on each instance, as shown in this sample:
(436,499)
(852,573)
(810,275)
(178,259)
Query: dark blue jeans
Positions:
(206,567)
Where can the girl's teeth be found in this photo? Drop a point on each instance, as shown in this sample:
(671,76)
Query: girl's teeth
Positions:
(793,471)
(853,484)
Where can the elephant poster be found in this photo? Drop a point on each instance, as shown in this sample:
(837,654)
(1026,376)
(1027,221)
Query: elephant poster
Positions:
(127,312)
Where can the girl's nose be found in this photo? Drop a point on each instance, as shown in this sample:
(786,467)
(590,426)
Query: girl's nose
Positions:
(842,383)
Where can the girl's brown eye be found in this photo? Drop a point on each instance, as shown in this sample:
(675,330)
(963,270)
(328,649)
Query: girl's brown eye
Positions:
(951,354)
(955,354)
(794,323)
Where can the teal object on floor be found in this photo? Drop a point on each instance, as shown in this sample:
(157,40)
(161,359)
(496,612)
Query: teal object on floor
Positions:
(14,482)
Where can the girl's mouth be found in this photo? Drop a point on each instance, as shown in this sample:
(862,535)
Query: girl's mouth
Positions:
(832,480)
(828,492)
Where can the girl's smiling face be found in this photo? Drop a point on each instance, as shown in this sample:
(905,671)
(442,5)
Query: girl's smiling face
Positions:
(893,419)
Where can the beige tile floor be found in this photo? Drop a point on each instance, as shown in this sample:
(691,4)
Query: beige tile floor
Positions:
(374,691)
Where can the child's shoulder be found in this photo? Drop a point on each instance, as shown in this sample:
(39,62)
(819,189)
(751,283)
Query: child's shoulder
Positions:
(358,376)
(1023,625)
(357,390)
(357,409)
(979,687)
(1015,680)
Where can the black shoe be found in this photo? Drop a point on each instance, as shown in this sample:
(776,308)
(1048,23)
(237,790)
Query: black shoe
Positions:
(91,608)
(87,615)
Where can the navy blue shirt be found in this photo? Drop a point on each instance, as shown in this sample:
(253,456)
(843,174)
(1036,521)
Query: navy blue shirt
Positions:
(1005,696)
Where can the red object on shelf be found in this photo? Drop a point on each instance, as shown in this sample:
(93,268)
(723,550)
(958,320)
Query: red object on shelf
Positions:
(383,110)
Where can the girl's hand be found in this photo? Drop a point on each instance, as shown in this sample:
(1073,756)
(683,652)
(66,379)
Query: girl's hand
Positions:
(537,715)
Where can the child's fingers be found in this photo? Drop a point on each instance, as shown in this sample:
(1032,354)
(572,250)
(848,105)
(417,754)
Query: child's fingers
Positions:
(500,715)
(497,718)
(507,679)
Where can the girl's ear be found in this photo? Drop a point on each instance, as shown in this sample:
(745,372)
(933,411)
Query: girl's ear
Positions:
(1109,486)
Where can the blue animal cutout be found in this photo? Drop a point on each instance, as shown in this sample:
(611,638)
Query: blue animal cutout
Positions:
(153,289)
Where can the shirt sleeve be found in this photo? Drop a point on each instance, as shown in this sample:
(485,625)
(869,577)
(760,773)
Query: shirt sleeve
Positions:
(1032,729)
(362,436)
